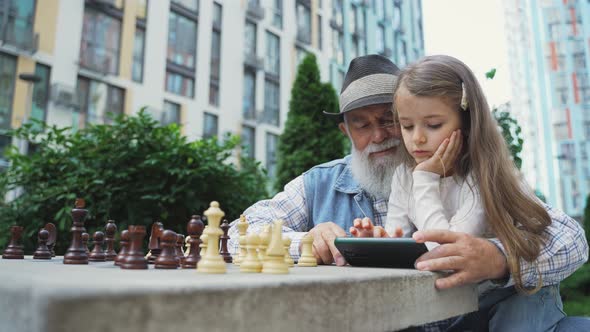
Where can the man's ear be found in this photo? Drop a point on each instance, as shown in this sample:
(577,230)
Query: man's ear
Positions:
(342,127)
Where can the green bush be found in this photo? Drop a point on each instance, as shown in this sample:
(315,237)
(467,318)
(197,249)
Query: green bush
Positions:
(133,171)
(310,137)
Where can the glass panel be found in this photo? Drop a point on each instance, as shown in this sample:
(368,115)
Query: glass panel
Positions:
(97,99)
(271,152)
(320,39)
(379,40)
(216,13)
(171,113)
(249,101)
(303,23)
(188,4)
(101,35)
(250,39)
(19,20)
(271,102)
(7,79)
(40,93)
(179,84)
(138,50)
(210,125)
(115,103)
(141,9)
(353,20)
(248,141)
(277,16)
(273,54)
(182,40)
(337,11)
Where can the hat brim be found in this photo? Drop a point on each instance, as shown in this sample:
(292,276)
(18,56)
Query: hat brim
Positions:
(385,98)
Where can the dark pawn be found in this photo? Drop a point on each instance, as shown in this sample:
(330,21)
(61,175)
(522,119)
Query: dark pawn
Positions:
(194,229)
(42,251)
(76,253)
(167,258)
(224,238)
(110,229)
(52,237)
(85,238)
(97,254)
(124,247)
(14,250)
(154,242)
(135,259)
(179,255)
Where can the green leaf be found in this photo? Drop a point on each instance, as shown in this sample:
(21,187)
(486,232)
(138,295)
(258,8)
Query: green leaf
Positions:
(490,74)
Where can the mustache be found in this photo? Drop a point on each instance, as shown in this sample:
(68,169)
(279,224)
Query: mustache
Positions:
(373,147)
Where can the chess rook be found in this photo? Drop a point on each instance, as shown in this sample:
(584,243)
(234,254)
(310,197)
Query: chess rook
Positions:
(307,258)
(76,253)
(42,251)
(110,230)
(134,259)
(14,250)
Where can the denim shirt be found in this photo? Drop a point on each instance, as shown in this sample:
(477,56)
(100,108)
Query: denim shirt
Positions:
(332,194)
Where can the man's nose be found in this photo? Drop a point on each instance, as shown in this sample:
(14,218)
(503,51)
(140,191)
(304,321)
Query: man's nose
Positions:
(380,134)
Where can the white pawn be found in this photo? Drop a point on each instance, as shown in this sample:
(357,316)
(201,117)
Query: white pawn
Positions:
(242,230)
(275,254)
(251,264)
(287,244)
(307,258)
(203,244)
(187,246)
(264,241)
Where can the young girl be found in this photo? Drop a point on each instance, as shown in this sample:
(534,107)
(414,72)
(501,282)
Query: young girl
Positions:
(457,172)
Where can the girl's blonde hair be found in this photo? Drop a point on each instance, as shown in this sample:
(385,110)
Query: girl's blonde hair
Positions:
(515,216)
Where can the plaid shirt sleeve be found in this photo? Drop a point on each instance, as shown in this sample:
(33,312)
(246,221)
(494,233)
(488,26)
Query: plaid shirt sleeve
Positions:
(289,205)
(565,250)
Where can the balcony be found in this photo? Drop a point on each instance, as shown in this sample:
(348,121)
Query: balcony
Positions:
(269,116)
(255,11)
(304,36)
(253,61)
(97,59)
(22,37)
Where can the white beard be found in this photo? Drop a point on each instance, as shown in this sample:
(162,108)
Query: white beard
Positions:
(374,174)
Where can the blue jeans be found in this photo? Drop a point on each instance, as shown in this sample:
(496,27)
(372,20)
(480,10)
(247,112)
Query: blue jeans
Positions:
(505,309)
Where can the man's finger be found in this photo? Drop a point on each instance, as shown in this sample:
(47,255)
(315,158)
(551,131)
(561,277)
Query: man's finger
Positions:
(334,252)
(439,264)
(367,224)
(454,280)
(437,235)
(322,251)
(444,250)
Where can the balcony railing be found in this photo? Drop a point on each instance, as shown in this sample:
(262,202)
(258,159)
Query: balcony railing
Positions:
(304,36)
(96,59)
(253,61)
(255,11)
(20,34)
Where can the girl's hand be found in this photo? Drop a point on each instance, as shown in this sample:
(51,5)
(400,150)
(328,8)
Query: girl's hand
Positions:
(444,158)
(365,228)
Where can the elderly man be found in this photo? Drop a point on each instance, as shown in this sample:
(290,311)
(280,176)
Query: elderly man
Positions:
(326,199)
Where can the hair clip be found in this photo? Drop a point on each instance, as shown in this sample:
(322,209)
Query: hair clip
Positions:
(464,103)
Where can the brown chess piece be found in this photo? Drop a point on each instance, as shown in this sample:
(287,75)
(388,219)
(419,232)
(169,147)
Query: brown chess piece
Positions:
(194,229)
(14,250)
(110,229)
(224,238)
(168,256)
(97,254)
(76,253)
(85,238)
(52,237)
(154,242)
(134,259)
(179,254)
(124,246)
(42,251)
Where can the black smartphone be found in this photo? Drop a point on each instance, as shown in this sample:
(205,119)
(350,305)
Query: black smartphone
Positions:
(380,252)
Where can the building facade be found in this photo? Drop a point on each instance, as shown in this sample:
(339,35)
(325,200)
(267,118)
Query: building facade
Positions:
(549,54)
(212,66)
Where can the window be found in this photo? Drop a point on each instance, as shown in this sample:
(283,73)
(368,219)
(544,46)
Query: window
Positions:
(138,51)
(210,128)
(338,46)
(248,141)
(97,99)
(271,154)
(300,54)
(7,79)
(215,56)
(192,5)
(250,39)
(181,53)
(320,39)
(5,142)
(273,54)
(171,113)
(141,9)
(303,23)
(337,8)
(40,93)
(277,13)
(101,37)
(271,102)
(352,22)
(380,39)
(249,101)
(380,9)
(17,18)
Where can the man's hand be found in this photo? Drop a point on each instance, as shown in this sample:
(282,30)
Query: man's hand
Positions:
(323,243)
(472,259)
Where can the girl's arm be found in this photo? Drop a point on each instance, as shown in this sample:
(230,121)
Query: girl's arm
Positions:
(398,205)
